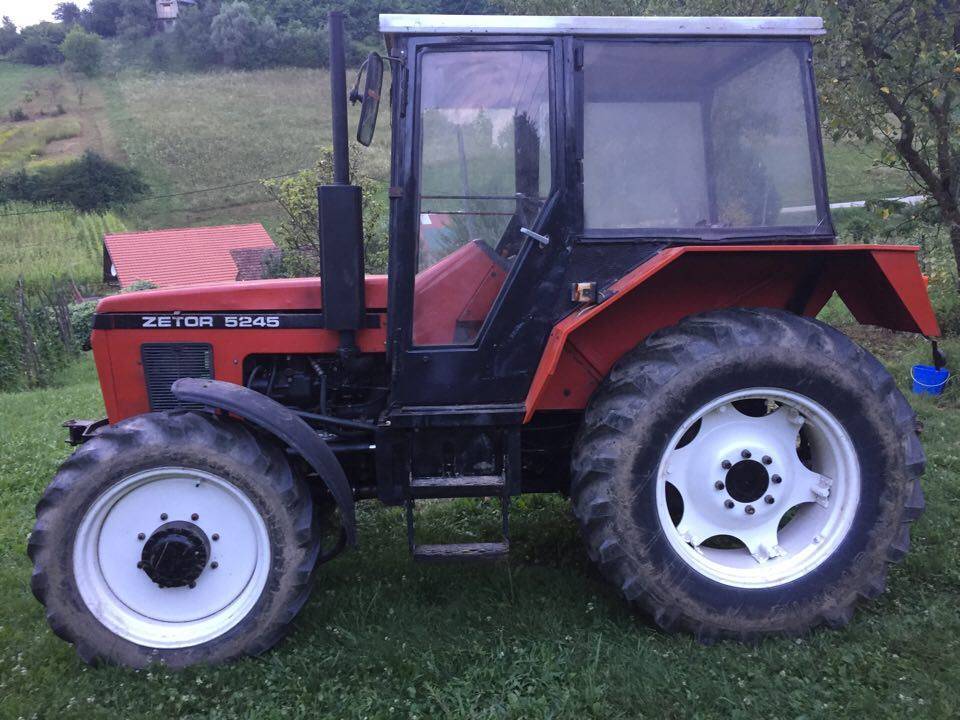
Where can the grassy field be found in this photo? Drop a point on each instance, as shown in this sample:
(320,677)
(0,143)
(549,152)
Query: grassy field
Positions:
(63,243)
(539,637)
(188,132)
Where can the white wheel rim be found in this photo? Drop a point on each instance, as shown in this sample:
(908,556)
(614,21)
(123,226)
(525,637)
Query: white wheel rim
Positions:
(719,500)
(127,602)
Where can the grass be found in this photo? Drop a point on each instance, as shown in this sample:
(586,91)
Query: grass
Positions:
(24,144)
(853,175)
(61,243)
(193,131)
(13,78)
(539,637)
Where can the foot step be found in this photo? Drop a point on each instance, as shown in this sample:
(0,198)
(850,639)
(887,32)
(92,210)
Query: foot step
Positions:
(462,486)
(459,552)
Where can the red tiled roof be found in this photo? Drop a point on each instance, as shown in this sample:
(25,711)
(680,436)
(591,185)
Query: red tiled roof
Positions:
(182,256)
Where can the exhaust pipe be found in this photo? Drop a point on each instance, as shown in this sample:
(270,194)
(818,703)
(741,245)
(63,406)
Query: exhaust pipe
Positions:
(341,217)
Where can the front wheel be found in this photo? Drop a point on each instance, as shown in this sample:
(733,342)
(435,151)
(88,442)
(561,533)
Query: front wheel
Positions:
(174,538)
(746,473)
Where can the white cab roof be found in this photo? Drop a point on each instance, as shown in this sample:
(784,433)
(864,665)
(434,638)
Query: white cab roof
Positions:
(582,25)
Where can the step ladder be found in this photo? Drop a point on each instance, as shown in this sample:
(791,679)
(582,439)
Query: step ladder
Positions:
(477,486)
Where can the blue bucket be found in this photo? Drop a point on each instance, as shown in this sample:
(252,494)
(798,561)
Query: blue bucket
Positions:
(929,380)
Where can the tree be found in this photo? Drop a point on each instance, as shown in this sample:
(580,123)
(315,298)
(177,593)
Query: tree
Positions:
(82,51)
(892,75)
(235,32)
(67,12)
(9,37)
(40,44)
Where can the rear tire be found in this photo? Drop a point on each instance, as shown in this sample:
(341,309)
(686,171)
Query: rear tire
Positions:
(709,556)
(250,522)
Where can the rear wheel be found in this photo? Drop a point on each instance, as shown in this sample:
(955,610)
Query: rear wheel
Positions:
(747,472)
(174,538)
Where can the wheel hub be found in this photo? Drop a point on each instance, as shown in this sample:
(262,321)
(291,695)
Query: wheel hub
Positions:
(747,481)
(175,554)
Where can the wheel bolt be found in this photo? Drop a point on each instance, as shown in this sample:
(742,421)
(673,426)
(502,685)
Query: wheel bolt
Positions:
(719,485)
(163,516)
(215,537)
(745,454)
(728,504)
(140,565)
(140,536)
(768,499)
(776,479)
(726,464)
(192,585)
(194,517)
(214,565)
(749,509)
(767,459)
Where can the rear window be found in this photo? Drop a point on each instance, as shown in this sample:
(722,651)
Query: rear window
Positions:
(703,137)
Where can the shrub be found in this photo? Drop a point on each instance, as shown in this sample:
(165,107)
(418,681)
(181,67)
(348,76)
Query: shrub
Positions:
(82,51)
(297,236)
(90,184)
(81,322)
(18,115)
(40,44)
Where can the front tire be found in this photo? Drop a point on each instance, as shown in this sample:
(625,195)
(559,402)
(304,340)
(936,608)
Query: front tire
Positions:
(747,472)
(176,538)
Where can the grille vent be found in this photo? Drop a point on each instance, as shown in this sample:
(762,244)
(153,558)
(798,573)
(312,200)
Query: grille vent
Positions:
(165,363)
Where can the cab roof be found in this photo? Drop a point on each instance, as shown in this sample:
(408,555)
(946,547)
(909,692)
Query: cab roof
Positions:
(417,24)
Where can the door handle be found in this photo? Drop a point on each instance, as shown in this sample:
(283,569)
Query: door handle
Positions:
(542,239)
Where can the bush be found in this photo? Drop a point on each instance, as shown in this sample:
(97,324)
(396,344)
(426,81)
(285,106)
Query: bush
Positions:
(82,51)
(18,115)
(40,44)
(297,236)
(81,322)
(90,184)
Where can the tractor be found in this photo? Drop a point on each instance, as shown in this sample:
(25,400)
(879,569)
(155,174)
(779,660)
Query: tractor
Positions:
(609,242)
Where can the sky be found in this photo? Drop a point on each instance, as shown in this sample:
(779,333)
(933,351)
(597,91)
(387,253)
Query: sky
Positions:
(30,12)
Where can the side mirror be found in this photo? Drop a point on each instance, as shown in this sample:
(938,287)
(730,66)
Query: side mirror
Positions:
(370,99)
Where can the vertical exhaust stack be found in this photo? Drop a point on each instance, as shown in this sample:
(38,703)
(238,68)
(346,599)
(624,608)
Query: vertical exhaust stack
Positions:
(341,217)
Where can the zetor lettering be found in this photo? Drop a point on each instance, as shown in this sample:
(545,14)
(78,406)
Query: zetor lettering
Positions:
(719,445)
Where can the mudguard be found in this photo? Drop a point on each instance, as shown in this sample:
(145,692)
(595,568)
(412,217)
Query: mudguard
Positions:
(880,285)
(284,424)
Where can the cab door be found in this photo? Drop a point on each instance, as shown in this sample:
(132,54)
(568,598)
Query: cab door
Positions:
(479,225)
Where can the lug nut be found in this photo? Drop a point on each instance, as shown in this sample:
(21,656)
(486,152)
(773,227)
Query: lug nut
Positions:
(726,464)
(194,517)
(719,485)
(768,499)
(192,585)
(140,536)
(163,516)
(215,537)
(140,565)
(728,504)
(749,509)
(767,459)
(214,565)
(745,454)
(776,479)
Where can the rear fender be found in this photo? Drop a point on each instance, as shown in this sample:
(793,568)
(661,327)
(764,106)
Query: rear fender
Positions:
(286,426)
(880,284)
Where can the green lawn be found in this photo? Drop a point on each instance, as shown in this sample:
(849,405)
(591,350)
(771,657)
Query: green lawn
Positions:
(539,637)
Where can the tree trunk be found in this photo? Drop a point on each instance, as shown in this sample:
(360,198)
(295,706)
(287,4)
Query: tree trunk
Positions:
(955,244)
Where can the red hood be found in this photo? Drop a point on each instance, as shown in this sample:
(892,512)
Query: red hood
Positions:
(259,296)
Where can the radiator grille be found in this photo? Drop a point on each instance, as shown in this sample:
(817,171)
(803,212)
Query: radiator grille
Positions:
(165,363)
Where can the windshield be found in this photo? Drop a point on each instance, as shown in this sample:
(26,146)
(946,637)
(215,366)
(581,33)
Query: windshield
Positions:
(485,172)
(703,138)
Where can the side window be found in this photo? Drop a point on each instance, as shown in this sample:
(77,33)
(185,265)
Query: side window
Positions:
(704,135)
(484,172)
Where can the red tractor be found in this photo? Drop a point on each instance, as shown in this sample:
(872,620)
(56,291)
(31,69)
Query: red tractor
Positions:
(609,239)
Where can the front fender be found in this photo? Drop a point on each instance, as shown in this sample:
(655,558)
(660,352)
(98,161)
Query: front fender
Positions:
(880,284)
(285,425)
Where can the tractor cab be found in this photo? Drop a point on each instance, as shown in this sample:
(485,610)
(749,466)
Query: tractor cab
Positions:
(536,159)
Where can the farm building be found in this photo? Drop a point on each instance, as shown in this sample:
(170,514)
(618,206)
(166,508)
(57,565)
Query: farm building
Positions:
(168,11)
(187,256)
